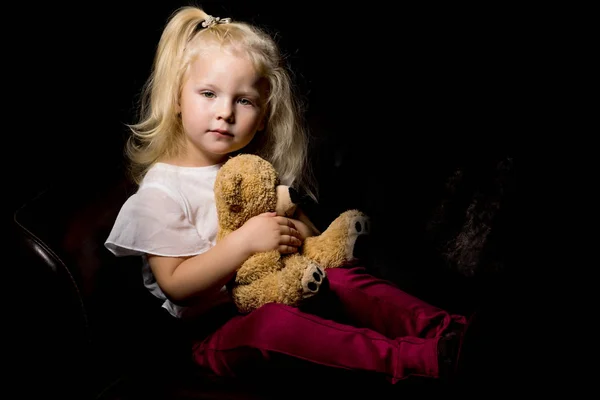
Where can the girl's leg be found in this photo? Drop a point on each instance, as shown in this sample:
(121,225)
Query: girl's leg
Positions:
(276,330)
(380,305)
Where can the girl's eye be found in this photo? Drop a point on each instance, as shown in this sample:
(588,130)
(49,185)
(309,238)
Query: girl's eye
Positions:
(245,102)
(209,95)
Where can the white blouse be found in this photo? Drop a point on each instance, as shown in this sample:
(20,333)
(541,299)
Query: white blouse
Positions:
(173,213)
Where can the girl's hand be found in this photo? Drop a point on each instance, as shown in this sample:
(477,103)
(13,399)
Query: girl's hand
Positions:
(267,232)
(304,229)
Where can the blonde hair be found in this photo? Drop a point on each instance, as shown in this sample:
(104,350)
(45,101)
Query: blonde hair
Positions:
(158,133)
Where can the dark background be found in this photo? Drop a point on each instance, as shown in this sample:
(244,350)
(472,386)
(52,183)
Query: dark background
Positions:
(398,98)
(394,89)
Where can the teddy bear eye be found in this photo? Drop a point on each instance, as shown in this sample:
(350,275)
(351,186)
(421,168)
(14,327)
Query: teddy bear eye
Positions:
(235,208)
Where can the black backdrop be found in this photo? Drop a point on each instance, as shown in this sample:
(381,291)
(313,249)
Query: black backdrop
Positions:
(398,97)
(393,90)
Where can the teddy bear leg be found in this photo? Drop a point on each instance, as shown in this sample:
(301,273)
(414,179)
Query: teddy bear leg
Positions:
(248,297)
(300,279)
(258,266)
(312,279)
(337,245)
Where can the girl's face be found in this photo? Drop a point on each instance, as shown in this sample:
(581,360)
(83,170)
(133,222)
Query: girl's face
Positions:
(222,106)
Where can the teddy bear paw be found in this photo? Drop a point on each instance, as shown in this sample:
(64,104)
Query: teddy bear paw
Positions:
(359,229)
(313,278)
(359,225)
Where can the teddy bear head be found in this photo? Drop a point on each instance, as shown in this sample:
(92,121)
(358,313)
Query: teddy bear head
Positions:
(245,186)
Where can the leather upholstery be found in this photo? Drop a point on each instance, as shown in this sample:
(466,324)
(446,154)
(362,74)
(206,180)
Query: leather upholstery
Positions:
(102,320)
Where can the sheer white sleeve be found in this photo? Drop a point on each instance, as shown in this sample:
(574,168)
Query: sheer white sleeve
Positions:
(153,221)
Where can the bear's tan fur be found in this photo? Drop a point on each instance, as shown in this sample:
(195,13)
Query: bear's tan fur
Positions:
(247,185)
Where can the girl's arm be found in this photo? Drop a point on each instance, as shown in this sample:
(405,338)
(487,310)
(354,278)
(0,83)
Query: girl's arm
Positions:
(182,279)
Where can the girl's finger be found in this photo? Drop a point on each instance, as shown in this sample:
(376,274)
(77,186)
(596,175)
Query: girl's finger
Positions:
(285,249)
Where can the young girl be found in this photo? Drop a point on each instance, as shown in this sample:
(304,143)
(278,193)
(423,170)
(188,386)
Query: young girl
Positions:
(219,87)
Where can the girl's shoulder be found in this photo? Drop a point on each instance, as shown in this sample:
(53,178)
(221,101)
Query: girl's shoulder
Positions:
(163,215)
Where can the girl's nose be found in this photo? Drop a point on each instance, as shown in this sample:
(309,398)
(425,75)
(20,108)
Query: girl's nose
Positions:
(225,111)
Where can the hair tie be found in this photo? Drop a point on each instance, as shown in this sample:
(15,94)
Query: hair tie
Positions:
(212,21)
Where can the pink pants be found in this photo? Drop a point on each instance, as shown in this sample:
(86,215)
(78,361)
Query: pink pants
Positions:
(379,328)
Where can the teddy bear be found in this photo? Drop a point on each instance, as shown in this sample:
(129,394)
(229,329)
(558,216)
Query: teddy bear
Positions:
(247,185)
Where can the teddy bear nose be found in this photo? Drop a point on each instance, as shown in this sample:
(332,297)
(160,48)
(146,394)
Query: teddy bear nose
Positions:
(295,196)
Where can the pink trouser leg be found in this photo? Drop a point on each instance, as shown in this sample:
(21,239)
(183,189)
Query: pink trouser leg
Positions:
(284,330)
(388,331)
(383,307)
